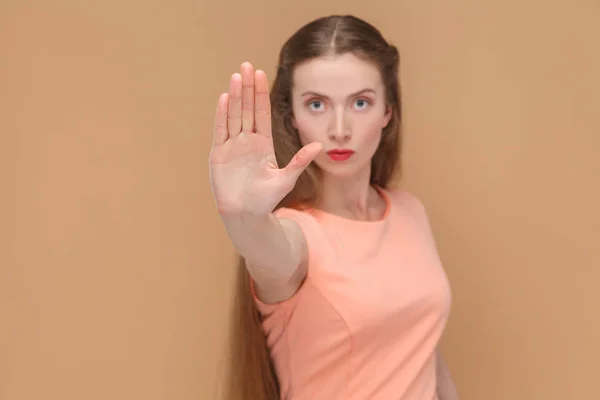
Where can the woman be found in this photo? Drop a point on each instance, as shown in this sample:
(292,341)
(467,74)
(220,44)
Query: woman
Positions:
(341,294)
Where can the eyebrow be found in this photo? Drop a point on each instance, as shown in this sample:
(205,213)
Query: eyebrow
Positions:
(363,91)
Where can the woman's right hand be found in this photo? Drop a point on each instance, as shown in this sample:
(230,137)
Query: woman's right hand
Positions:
(244,174)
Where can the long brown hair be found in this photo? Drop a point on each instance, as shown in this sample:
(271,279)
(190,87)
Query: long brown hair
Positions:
(251,374)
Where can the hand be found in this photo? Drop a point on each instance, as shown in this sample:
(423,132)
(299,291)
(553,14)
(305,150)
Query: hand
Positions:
(244,174)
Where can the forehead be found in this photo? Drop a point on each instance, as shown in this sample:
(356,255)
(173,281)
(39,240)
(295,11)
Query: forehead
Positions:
(336,75)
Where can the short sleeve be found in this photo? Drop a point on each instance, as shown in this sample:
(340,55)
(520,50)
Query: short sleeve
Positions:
(310,228)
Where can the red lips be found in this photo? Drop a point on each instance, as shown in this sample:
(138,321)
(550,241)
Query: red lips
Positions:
(340,154)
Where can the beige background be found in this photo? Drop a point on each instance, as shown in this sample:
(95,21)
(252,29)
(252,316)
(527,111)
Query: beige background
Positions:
(115,273)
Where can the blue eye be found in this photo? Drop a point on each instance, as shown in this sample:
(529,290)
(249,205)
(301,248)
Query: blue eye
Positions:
(361,103)
(316,105)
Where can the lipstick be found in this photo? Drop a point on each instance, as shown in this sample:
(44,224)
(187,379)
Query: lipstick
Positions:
(340,154)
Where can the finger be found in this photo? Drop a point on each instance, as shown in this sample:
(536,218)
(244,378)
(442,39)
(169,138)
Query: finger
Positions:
(302,159)
(234,111)
(220,123)
(247,97)
(262,104)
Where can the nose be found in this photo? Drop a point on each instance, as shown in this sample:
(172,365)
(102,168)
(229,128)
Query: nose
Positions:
(339,128)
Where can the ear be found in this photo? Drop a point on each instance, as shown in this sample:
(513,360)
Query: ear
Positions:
(387,117)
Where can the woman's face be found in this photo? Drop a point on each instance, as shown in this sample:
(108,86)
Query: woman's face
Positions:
(340,102)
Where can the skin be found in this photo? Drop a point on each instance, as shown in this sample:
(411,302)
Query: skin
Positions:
(338,103)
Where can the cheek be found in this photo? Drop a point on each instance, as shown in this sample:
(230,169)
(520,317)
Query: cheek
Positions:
(310,129)
(371,135)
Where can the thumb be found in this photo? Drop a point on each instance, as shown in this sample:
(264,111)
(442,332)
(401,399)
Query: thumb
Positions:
(302,159)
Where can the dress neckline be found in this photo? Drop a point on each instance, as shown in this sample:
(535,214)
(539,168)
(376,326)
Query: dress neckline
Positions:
(388,206)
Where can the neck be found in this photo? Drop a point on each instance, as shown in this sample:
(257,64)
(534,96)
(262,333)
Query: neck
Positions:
(350,197)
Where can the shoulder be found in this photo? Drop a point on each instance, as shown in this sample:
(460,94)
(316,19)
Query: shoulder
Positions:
(406,203)
(400,197)
(301,217)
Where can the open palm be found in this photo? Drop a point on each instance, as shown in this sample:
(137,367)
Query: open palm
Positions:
(245,177)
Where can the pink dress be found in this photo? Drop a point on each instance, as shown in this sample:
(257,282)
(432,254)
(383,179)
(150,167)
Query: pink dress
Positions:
(366,321)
